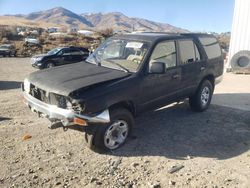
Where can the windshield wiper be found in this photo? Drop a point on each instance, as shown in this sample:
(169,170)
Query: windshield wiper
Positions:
(123,68)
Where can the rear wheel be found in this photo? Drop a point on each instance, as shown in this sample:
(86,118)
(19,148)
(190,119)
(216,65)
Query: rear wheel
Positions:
(200,101)
(113,135)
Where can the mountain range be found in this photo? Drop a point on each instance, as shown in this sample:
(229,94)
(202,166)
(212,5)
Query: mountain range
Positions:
(94,21)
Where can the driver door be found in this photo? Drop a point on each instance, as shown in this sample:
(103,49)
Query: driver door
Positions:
(65,57)
(160,89)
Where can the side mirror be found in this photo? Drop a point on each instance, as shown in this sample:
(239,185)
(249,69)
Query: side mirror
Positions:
(157,68)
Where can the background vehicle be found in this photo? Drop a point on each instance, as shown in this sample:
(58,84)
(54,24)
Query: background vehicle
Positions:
(127,75)
(7,50)
(60,56)
(31,40)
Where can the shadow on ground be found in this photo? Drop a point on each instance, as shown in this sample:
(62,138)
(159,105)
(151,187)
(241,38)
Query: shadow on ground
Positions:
(4,118)
(234,100)
(176,132)
(6,85)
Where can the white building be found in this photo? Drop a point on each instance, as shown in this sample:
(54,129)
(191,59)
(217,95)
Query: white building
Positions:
(239,51)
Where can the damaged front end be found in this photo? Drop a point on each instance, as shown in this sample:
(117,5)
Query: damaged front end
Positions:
(59,108)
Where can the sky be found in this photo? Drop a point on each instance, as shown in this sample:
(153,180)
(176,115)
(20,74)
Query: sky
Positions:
(194,15)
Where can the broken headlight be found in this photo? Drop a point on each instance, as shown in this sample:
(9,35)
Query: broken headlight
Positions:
(78,107)
(60,101)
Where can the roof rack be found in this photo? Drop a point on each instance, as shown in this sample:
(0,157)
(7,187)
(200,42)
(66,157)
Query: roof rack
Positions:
(158,32)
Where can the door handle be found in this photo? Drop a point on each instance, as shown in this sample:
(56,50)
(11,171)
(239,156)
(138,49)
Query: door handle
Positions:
(203,68)
(176,76)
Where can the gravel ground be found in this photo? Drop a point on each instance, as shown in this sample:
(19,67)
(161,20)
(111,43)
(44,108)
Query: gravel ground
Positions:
(213,147)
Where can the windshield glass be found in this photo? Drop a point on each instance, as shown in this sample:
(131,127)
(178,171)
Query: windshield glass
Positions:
(120,54)
(54,51)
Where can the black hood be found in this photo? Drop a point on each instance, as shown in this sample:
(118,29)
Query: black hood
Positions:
(42,55)
(66,79)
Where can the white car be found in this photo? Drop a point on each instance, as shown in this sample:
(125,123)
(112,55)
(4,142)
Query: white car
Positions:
(31,40)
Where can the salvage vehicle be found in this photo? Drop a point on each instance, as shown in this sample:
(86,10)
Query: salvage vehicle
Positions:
(7,50)
(60,56)
(126,76)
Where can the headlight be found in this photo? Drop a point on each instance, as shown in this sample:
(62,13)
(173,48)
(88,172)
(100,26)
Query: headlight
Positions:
(39,58)
(26,85)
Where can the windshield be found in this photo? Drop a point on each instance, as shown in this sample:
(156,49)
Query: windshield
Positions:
(120,54)
(54,51)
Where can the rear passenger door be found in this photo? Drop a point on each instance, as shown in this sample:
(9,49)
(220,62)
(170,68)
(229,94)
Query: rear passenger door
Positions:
(77,55)
(191,65)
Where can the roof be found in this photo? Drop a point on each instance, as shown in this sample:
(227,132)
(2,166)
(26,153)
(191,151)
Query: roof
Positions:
(153,36)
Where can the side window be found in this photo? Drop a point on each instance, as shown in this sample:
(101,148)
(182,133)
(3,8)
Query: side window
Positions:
(165,52)
(76,52)
(66,52)
(188,51)
(211,47)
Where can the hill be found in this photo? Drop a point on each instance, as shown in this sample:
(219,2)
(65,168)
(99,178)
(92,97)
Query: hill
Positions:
(93,21)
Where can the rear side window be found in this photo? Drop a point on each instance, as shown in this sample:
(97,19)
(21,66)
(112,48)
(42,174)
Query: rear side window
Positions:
(211,47)
(76,52)
(188,51)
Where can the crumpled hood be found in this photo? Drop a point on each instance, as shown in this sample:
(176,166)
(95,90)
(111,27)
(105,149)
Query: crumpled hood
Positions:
(66,79)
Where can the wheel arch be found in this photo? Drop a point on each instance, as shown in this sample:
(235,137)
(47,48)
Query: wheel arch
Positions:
(129,105)
(209,77)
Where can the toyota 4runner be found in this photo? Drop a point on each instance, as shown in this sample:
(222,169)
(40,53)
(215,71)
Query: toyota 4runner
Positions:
(125,76)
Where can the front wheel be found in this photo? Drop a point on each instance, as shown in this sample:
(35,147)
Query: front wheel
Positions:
(113,135)
(50,65)
(200,101)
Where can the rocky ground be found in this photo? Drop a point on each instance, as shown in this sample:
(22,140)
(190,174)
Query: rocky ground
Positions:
(211,148)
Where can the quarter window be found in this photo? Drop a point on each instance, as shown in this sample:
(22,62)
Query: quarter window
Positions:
(188,52)
(211,46)
(165,52)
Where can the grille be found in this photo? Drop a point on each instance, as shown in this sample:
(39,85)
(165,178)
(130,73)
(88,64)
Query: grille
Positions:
(53,99)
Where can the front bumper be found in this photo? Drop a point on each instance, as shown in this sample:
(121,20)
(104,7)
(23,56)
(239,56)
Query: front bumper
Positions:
(36,66)
(53,113)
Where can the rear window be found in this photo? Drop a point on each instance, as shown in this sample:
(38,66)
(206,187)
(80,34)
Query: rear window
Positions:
(211,47)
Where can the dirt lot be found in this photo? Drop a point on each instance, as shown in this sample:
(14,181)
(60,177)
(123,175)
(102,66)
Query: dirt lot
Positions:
(213,146)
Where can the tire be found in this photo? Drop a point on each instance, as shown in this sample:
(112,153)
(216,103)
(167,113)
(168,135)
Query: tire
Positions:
(102,138)
(200,101)
(50,65)
(241,60)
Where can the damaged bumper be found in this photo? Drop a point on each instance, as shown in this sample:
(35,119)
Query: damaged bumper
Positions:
(67,117)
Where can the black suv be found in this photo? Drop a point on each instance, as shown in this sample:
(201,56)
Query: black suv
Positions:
(60,56)
(125,76)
